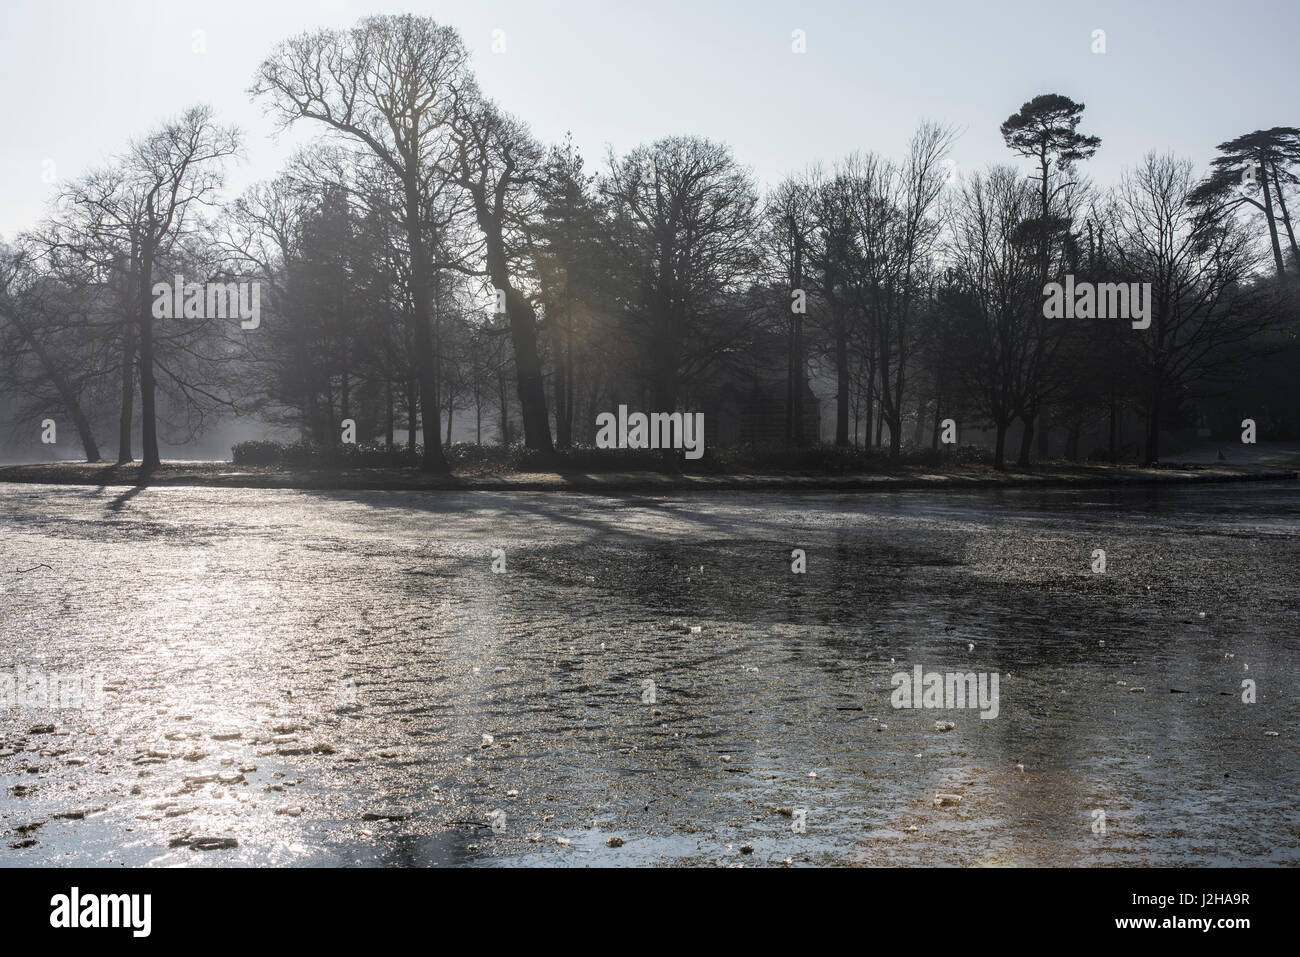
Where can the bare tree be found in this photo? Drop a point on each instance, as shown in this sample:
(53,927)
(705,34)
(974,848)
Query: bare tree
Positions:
(499,165)
(29,307)
(141,209)
(393,84)
(788,237)
(1200,265)
(687,216)
(895,234)
(994,304)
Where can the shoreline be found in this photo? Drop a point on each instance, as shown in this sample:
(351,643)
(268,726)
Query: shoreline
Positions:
(227,475)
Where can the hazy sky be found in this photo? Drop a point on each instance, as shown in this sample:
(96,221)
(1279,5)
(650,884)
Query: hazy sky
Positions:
(82,78)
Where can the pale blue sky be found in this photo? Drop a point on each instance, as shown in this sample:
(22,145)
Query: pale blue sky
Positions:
(83,76)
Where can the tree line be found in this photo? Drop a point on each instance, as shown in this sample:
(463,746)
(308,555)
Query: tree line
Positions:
(428,257)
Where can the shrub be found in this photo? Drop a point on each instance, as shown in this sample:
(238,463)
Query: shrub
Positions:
(813,459)
(314,455)
(259,452)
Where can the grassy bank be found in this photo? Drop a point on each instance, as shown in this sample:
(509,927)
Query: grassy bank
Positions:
(228,475)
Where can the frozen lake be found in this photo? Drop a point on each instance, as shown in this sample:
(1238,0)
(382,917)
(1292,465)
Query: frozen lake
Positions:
(308,677)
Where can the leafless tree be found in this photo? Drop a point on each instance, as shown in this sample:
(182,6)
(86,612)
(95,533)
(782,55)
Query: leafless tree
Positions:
(393,84)
(499,165)
(1201,266)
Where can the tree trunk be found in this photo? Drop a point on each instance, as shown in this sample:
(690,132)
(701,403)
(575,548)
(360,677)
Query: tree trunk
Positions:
(891,393)
(841,385)
(794,403)
(563,391)
(528,365)
(69,398)
(504,398)
(1026,440)
(564,420)
(1272,220)
(148,402)
(918,433)
(73,408)
(869,423)
(126,417)
(523,333)
(425,356)
(1286,218)
(1114,425)
(895,417)
(1153,427)
(797,434)
(665,399)
(388,415)
(412,399)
